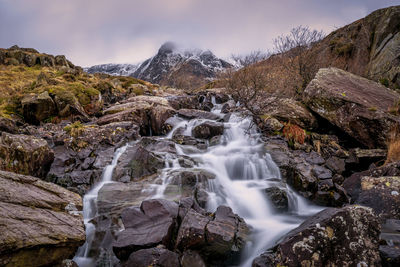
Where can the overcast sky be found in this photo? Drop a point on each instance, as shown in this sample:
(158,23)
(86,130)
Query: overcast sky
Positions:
(91,32)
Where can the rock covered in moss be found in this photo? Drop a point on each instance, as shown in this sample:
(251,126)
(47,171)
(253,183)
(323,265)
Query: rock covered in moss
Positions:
(333,237)
(25,154)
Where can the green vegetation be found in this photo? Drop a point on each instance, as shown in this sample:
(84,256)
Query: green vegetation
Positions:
(384,82)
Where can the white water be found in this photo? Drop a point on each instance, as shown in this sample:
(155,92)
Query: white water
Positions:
(90,211)
(243,170)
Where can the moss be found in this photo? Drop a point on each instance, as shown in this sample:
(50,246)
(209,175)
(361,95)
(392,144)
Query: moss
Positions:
(372,109)
(384,82)
(75,129)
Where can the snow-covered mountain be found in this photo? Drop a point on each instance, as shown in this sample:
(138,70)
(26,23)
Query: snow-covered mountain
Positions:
(171,66)
(114,69)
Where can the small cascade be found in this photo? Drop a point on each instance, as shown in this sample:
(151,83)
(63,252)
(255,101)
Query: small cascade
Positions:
(90,211)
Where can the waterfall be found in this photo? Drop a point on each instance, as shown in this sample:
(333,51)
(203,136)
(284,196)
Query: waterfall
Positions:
(243,169)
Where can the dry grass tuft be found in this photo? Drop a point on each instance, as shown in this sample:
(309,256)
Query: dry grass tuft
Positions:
(294,133)
(393,154)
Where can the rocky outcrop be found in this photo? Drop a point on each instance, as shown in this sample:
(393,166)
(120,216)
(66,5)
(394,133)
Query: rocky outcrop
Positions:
(334,237)
(313,174)
(25,154)
(159,227)
(39,222)
(30,57)
(357,106)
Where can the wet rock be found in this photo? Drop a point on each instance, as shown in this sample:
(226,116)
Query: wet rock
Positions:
(148,226)
(158,256)
(226,234)
(37,108)
(25,154)
(191,231)
(278,198)
(39,222)
(190,177)
(341,237)
(197,114)
(207,130)
(189,141)
(216,237)
(137,162)
(390,255)
(80,159)
(115,197)
(356,105)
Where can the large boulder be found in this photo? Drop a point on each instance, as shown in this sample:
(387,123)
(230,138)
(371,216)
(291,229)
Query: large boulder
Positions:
(357,106)
(334,237)
(38,107)
(148,226)
(40,223)
(25,154)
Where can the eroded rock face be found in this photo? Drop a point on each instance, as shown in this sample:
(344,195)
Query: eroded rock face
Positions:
(356,105)
(39,222)
(197,114)
(334,237)
(25,154)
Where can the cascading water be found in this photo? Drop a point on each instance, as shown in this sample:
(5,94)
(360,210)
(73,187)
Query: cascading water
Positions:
(90,211)
(243,170)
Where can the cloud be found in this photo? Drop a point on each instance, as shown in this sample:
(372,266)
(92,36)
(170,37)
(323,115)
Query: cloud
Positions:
(98,31)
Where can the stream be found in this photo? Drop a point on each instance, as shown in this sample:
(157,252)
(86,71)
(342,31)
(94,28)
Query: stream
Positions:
(243,170)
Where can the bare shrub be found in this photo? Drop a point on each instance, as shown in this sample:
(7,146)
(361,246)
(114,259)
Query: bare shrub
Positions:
(295,46)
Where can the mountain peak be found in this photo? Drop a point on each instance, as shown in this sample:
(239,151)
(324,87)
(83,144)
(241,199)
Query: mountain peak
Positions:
(167,47)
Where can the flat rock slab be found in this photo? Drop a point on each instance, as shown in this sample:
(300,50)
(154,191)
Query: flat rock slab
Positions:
(39,221)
